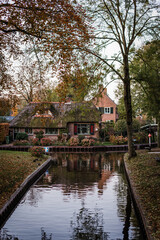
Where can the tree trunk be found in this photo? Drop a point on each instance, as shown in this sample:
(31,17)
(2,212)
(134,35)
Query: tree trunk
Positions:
(128,107)
(158,133)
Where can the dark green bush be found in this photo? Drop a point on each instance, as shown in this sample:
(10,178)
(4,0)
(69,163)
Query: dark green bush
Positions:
(81,137)
(39,134)
(22,136)
(140,137)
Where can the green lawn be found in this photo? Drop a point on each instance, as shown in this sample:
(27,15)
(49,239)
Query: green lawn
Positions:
(145,174)
(14,168)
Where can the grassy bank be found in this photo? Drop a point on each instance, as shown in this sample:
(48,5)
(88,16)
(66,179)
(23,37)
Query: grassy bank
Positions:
(145,174)
(14,168)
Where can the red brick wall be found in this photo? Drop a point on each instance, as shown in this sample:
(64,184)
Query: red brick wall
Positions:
(31,136)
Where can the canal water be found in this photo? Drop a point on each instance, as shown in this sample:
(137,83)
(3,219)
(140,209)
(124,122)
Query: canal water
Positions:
(81,196)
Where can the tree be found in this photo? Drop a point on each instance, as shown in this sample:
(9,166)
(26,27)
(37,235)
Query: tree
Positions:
(29,75)
(122,22)
(6,105)
(121,126)
(145,70)
(137,96)
(57,27)
(5,78)
(82,82)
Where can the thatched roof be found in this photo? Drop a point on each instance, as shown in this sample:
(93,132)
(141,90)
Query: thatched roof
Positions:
(55,114)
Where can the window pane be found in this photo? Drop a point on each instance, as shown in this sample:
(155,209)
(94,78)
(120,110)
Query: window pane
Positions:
(16,130)
(107,110)
(51,131)
(28,130)
(83,128)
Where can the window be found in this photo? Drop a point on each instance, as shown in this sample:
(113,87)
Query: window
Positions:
(101,109)
(52,131)
(109,121)
(108,110)
(82,129)
(28,130)
(16,130)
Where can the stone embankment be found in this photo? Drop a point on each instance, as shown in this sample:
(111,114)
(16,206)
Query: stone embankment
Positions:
(105,148)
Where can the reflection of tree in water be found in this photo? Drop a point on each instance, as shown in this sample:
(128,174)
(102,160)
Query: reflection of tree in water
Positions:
(88,225)
(33,196)
(4,235)
(125,209)
(44,235)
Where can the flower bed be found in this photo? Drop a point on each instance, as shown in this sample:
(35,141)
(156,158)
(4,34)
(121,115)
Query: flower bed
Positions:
(88,142)
(73,141)
(37,151)
(118,139)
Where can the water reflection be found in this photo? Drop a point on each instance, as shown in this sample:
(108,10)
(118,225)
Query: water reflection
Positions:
(82,196)
(4,235)
(88,225)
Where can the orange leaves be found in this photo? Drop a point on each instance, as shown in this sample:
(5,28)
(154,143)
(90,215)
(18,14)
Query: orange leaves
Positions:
(58,28)
(42,18)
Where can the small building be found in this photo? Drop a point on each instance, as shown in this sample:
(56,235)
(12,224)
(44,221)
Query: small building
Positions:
(106,106)
(55,118)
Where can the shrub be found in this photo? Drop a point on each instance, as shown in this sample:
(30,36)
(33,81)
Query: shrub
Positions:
(88,142)
(22,136)
(140,137)
(35,142)
(37,151)
(73,141)
(39,134)
(106,130)
(59,137)
(136,125)
(120,126)
(81,137)
(21,143)
(118,139)
(46,142)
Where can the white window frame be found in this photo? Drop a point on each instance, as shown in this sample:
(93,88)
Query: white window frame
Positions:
(80,126)
(16,130)
(29,131)
(47,129)
(107,110)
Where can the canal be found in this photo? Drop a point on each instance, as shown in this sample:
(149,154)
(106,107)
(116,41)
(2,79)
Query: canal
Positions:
(81,196)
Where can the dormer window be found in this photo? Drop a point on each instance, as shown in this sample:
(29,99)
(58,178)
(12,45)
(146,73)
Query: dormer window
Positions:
(46,113)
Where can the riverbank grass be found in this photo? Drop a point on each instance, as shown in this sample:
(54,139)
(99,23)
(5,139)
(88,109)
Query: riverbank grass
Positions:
(145,175)
(14,168)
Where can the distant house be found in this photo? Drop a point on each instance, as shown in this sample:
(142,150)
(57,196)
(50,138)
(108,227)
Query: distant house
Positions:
(106,106)
(54,118)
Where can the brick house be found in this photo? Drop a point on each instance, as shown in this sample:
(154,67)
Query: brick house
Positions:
(55,118)
(106,106)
